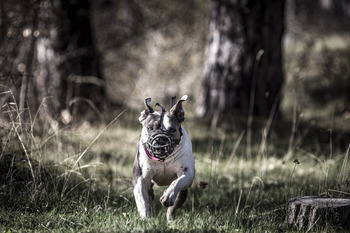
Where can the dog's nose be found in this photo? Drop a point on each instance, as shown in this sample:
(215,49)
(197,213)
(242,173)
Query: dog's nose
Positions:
(161,141)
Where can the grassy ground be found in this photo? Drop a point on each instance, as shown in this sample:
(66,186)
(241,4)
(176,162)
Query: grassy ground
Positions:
(74,180)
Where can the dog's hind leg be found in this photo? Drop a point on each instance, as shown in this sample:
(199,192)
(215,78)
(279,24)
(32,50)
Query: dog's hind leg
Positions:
(151,197)
(179,201)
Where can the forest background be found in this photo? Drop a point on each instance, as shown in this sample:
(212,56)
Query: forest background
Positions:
(73,77)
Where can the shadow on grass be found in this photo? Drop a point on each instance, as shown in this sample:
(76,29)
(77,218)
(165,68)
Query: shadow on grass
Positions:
(45,186)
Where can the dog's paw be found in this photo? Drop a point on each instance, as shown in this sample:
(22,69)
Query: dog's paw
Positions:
(167,199)
(170,216)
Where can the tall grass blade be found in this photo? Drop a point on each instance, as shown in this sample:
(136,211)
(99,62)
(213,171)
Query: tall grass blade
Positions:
(25,151)
(342,174)
(234,149)
(239,202)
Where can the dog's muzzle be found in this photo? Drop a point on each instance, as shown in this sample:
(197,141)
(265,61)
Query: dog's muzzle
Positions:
(160,144)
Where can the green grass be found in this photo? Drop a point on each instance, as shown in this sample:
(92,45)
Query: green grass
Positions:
(44,190)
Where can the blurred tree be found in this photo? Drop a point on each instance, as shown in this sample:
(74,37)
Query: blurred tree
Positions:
(17,47)
(143,45)
(49,56)
(243,67)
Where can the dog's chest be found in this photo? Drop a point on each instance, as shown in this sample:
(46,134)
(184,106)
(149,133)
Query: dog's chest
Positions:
(177,164)
(164,174)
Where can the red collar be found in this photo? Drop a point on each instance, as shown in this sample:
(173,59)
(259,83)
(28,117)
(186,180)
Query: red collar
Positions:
(151,156)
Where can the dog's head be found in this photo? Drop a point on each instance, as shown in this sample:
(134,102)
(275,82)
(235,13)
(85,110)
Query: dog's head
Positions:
(161,131)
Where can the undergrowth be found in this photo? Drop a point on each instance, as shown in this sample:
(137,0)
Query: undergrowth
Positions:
(79,178)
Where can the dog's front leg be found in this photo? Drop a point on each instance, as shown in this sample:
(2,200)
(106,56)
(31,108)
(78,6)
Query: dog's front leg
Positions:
(141,196)
(184,181)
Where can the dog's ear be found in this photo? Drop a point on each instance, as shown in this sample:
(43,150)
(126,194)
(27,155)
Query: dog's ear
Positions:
(148,110)
(177,109)
(147,107)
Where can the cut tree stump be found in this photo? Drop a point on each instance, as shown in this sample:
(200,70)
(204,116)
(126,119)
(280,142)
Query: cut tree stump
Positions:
(309,211)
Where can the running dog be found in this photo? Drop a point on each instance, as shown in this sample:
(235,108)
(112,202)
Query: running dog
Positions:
(163,156)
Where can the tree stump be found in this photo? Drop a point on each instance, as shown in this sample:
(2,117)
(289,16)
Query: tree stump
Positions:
(306,212)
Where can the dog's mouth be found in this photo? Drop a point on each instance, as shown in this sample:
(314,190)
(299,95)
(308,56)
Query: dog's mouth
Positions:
(160,145)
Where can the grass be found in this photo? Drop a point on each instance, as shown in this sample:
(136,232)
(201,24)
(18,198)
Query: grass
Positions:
(79,179)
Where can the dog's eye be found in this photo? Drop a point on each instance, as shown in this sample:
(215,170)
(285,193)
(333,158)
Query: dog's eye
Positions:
(150,127)
(172,130)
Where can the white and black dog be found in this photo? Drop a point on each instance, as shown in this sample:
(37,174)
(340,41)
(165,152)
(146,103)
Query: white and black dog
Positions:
(163,156)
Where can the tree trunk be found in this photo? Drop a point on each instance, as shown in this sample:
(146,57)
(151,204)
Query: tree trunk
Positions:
(48,60)
(68,67)
(243,66)
(48,78)
(83,76)
(309,211)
